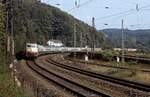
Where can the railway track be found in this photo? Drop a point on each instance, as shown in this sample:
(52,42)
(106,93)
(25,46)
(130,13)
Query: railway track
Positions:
(125,83)
(136,58)
(74,87)
(133,56)
(117,67)
(140,59)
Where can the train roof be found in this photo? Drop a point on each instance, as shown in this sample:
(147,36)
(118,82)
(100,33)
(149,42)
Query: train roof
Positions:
(33,44)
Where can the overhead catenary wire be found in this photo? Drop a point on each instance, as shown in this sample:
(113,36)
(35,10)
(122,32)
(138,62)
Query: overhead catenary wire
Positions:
(128,12)
(129,2)
(139,25)
(120,13)
(125,13)
(116,14)
(112,15)
(145,9)
(116,18)
(80,5)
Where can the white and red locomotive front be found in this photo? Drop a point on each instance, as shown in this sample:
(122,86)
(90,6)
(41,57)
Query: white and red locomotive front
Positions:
(32,50)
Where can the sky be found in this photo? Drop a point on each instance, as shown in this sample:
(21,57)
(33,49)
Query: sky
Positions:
(108,13)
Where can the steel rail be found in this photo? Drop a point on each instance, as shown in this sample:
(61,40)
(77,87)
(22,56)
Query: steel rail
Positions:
(76,88)
(118,67)
(126,83)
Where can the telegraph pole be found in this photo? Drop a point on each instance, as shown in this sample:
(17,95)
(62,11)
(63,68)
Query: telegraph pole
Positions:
(7,4)
(9,33)
(93,36)
(81,39)
(12,38)
(12,31)
(9,26)
(87,42)
(75,32)
(74,35)
(123,49)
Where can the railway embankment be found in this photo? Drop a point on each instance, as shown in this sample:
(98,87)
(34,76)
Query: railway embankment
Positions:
(111,56)
(29,84)
(34,85)
(53,75)
(132,86)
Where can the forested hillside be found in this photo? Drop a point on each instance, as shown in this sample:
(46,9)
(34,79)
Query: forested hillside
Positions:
(133,38)
(39,22)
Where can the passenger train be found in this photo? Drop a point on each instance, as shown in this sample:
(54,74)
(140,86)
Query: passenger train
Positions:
(33,50)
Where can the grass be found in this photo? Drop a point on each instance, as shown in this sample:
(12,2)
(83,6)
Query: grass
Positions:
(143,77)
(131,64)
(7,86)
(139,54)
(124,73)
(100,69)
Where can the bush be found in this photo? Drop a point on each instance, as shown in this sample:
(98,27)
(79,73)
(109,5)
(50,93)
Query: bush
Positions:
(133,63)
(107,55)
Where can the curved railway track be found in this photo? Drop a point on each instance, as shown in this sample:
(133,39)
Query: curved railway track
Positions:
(136,58)
(125,83)
(140,59)
(74,87)
(117,67)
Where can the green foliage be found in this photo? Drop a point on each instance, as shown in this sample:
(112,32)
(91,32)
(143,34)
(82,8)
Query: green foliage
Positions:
(133,39)
(39,22)
(132,62)
(7,88)
(107,55)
